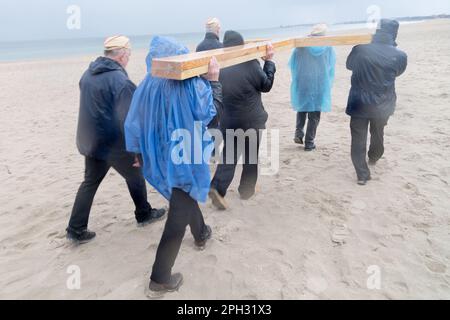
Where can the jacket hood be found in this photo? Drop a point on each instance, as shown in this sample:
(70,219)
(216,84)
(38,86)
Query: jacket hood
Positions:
(387,32)
(317,51)
(232,39)
(103,64)
(162,47)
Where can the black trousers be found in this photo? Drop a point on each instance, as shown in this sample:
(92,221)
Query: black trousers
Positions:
(359,129)
(183,211)
(225,171)
(313,124)
(95,172)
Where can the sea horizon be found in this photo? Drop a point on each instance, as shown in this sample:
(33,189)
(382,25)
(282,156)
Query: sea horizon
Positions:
(31,50)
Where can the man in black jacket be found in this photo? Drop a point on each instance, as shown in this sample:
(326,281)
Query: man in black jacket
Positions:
(372,97)
(243,119)
(212,40)
(106,93)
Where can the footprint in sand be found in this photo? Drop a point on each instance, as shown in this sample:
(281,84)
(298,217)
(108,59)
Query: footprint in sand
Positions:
(276,251)
(435,266)
(402,286)
(211,260)
(445,172)
(317,285)
(358,207)
(53,234)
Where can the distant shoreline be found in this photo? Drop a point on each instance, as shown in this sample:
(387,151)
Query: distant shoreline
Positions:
(66,48)
(401,19)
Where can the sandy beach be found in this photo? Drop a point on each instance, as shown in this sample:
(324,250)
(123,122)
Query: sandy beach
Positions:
(310,233)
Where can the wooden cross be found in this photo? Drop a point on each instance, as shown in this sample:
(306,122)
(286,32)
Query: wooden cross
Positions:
(194,64)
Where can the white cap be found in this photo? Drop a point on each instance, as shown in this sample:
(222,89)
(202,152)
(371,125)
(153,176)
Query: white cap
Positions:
(117,42)
(319,30)
(213,25)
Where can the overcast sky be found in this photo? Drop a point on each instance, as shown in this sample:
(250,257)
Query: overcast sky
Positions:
(47,19)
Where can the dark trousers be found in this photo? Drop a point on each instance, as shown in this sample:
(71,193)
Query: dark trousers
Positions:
(225,171)
(95,172)
(183,211)
(313,124)
(359,129)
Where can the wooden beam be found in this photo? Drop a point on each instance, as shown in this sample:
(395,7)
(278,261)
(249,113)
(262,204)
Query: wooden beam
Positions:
(333,41)
(194,64)
(256,40)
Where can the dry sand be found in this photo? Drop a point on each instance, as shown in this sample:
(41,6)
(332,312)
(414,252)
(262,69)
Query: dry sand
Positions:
(281,244)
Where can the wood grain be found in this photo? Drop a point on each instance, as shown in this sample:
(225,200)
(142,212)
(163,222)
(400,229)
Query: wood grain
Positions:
(194,64)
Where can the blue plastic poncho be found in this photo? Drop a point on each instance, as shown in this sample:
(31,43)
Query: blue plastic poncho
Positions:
(167,122)
(312,71)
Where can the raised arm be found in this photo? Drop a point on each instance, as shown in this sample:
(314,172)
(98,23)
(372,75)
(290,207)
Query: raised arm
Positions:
(264,78)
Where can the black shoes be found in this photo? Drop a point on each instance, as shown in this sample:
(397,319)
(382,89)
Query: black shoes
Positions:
(217,200)
(246,195)
(363,182)
(205,237)
(298,140)
(176,281)
(151,216)
(81,238)
(86,236)
(310,148)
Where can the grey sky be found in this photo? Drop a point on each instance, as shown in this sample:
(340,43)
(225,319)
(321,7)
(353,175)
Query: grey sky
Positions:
(46,19)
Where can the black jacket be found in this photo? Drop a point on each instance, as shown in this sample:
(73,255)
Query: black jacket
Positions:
(218,103)
(211,42)
(375,68)
(242,86)
(106,94)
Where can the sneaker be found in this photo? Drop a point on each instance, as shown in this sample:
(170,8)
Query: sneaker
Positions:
(81,238)
(176,281)
(217,200)
(205,237)
(152,216)
(298,140)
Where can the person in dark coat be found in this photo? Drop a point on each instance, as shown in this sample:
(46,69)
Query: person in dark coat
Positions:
(212,42)
(106,93)
(372,99)
(212,37)
(243,119)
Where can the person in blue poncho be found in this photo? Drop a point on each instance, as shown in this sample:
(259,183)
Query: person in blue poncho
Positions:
(313,71)
(167,125)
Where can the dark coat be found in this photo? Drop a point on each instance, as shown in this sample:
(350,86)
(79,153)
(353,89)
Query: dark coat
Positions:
(242,86)
(218,103)
(375,68)
(106,94)
(211,42)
